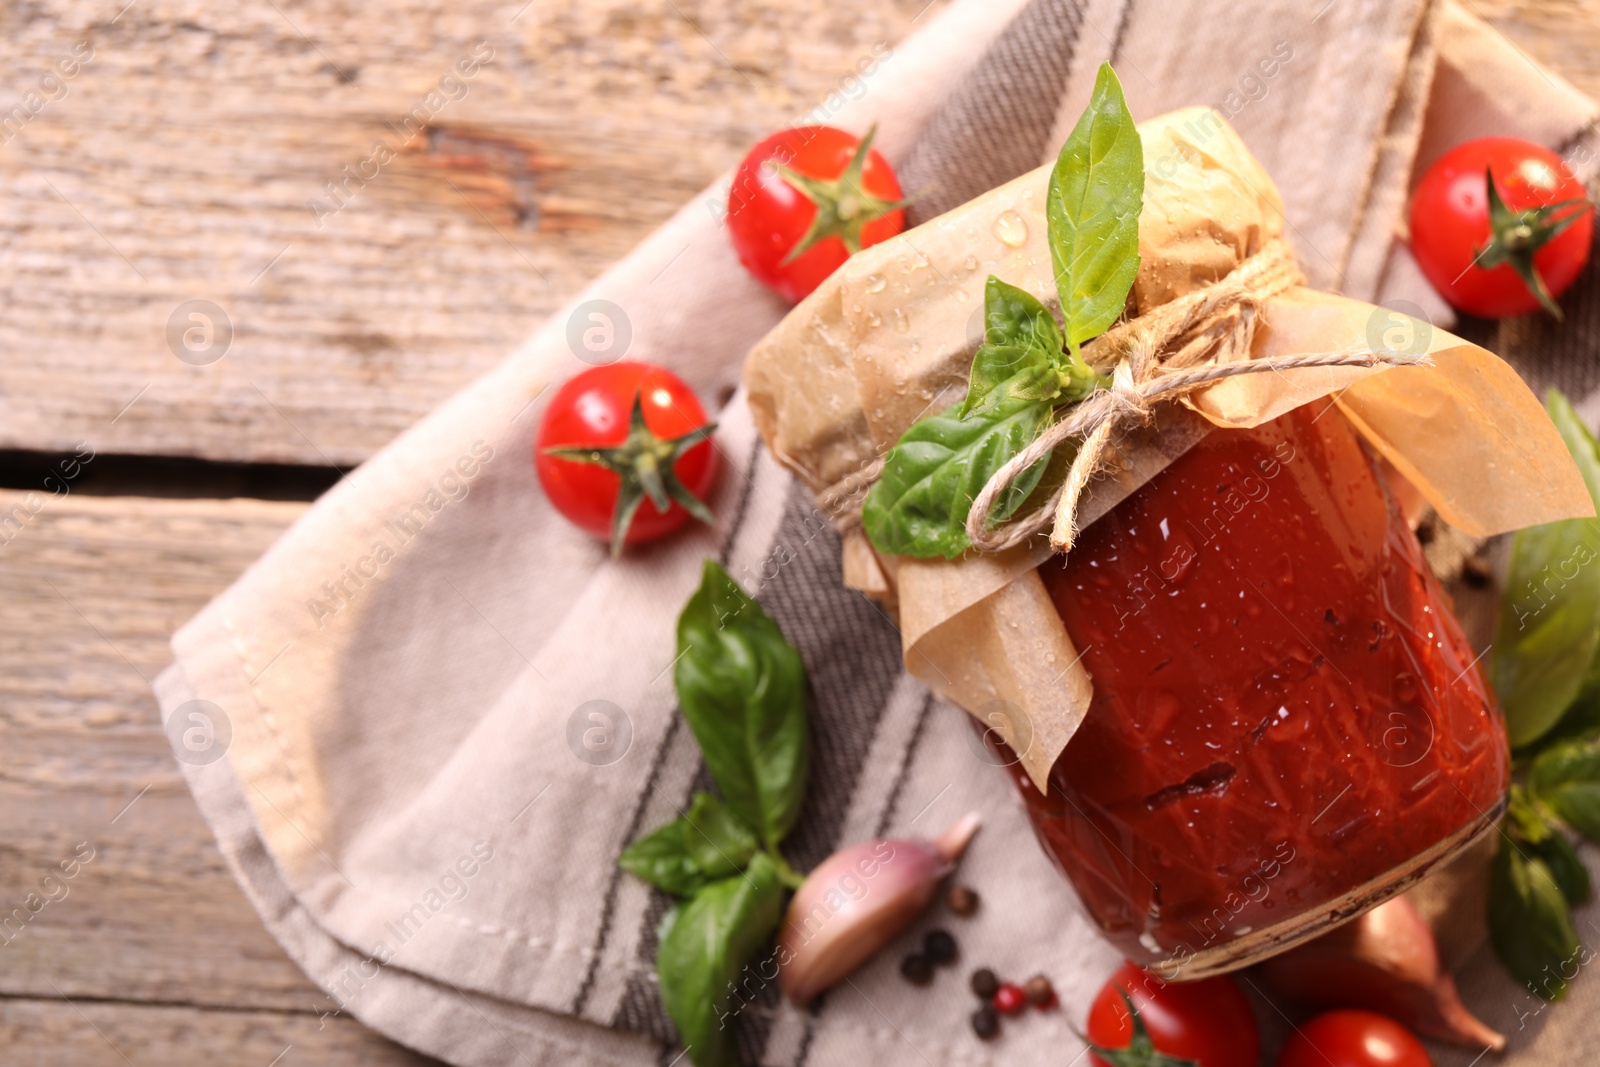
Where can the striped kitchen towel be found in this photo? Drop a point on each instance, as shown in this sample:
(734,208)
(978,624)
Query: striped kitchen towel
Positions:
(399,689)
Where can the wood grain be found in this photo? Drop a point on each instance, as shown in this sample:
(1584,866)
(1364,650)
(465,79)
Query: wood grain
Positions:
(176,164)
(86,1034)
(150,938)
(181,159)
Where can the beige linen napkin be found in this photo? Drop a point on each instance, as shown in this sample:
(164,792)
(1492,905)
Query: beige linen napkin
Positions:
(403,682)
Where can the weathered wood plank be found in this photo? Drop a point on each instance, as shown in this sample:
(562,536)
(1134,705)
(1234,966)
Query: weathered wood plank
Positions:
(56,1033)
(112,891)
(93,588)
(181,160)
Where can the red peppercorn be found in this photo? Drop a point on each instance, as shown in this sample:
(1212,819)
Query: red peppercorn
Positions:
(1010,999)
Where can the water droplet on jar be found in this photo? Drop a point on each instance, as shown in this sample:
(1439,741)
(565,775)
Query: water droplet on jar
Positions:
(961,296)
(855,309)
(916,346)
(970,263)
(901,323)
(1010,229)
(874,319)
(876,283)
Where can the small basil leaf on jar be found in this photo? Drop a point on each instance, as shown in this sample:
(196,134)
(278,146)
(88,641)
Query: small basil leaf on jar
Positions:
(919,505)
(662,858)
(719,842)
(1021,357)
(1548,632)
(1008,372)
(742,690)
(1092,210)
(1529,923)
(704,949)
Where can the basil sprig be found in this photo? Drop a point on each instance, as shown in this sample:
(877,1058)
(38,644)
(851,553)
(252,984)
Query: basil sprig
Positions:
(1548,636)
(1027,365)
(742,690)
(1545,667)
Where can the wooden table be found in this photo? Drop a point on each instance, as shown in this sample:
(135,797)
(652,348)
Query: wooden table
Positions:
(187,158)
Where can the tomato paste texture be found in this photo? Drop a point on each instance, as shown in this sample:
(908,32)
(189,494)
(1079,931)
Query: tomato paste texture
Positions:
(1285,706)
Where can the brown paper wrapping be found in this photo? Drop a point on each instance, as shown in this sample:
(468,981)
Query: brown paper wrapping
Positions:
(889,337)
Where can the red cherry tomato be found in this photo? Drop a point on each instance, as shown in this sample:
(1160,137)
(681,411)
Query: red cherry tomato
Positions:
(1353,1039)
(1208,1022)
(603,448)
(1451,226)
(810,184)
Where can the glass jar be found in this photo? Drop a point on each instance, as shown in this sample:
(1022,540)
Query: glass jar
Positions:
(1288,724)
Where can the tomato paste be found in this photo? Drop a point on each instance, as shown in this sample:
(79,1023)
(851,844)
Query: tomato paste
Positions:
(1288,723)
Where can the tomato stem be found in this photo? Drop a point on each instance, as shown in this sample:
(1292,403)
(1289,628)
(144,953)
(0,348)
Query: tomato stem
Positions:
(1514,237)
(645,466)
(1140,1051)
(843,204)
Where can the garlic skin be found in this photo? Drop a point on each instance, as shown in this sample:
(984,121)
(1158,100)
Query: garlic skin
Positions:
(856,901)
(1385,961)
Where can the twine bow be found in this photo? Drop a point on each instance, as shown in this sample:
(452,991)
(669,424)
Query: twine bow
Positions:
(1158,357)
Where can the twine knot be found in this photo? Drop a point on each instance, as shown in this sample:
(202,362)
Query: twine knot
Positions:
(1158,357)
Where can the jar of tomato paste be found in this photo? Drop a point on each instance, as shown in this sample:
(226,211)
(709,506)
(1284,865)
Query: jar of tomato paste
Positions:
(1288,724)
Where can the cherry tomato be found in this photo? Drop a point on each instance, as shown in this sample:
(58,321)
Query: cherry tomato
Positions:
(623,453)
(814,189)
(1208,1022)
(1508,251)
(1353,1039)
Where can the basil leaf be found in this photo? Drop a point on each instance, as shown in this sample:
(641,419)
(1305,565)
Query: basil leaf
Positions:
(1008,372)
(1092,209)
(1014,316)
(920,502)
(1531,830)
(1566,779)
(718,842)
(1570,875)
(1018,359)
(704,949)
(1529,924)
(663,859)
(1548,633)
(742,689)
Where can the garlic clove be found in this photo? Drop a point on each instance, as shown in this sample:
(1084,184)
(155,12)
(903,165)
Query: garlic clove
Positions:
(856,901)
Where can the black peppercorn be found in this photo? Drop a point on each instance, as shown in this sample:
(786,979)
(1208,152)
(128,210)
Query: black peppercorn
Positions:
(939,946)
(984,983)
(985,1023)
(916,969)
(1039,990)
